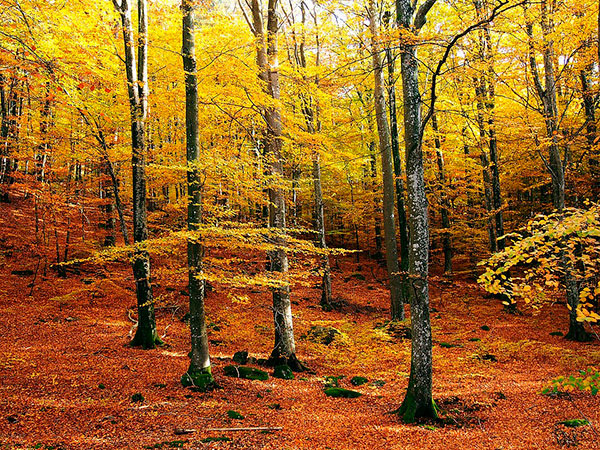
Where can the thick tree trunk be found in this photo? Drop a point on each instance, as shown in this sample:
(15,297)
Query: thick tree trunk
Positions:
(137,85)
(418,401)
(383,129)
(199,371)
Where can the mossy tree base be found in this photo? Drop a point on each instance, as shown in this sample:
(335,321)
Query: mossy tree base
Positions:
(292,361)
(201,380)
(146,340)
(410,411)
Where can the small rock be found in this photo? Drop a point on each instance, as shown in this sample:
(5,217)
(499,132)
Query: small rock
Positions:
(358,381)
(284,372)
(248,373)
(240,357)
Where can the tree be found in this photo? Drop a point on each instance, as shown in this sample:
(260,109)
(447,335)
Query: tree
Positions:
(387,170)
(284,349)
(137,87)
(547,95)
(418,401)
(199,372)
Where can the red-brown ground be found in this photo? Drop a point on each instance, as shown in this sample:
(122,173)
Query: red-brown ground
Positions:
(56,350)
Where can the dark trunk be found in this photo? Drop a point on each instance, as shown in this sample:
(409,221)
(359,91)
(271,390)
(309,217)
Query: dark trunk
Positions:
(199,371)
(137,85)
(446,240)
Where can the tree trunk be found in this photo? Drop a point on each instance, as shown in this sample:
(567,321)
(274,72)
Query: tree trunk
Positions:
(400,191)
(418,401)
(199,371)
(284,349)
(383,129)
(137,85)
(446,240)
(547,95)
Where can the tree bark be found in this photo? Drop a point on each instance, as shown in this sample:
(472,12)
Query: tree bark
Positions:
(199,371)
(446,240)
(418,401)
(400,190)
(383,129)
(547,95)
(137,86)
(284,349)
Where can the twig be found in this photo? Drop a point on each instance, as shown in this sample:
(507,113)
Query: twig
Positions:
(589,422)
(247,429)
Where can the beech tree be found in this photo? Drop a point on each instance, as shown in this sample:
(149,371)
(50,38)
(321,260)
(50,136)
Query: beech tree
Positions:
(418,401)
(199,372)
(137,87)
(284,349)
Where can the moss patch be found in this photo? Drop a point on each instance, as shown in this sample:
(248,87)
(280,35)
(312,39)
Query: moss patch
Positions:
(358,381)
(248,373)
(341,393)
(284,372)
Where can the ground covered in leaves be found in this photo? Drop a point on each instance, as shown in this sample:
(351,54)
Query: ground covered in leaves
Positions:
(70,381)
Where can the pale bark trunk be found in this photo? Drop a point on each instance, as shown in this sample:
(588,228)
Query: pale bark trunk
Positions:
(284,349)
(418,401)
(400,190)
(547,95)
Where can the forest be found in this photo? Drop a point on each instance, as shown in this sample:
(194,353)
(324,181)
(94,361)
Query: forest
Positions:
(299,224)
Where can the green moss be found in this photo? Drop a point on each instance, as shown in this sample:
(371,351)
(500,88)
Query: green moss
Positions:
(240,357)
(248,373)
(574,422)
(331,381)
(358,381)
(101,386)
(167,444)
(216,439)
(284,372)
(485,328)
(201,380)
(556,333)
(409,411)
(341,393)
(474,339)
(137,398)
(234,415)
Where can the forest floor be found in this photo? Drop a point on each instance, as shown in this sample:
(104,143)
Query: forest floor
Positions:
(68,376)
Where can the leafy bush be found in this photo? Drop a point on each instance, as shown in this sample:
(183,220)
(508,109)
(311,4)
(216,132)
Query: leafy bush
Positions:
(588,380)
(534,265)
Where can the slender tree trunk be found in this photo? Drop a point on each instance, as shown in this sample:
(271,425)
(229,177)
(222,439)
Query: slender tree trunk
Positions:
(284,349)
(137,84)
(199,371)
(383,129)
(488,90)
(400,191)
(446,240)
(418,401)
(591,132)
(547,95)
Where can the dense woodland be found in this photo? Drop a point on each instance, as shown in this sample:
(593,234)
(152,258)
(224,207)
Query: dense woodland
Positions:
(299,224)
